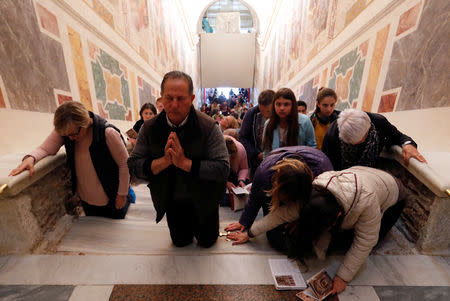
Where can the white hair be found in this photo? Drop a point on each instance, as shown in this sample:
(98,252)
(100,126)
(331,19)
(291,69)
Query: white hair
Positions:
(353,125)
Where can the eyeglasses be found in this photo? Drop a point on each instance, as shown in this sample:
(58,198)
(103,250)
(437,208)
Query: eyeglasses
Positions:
(75,134)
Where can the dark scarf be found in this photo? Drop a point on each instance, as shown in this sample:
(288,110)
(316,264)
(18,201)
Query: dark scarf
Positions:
(324,120)
(364,154)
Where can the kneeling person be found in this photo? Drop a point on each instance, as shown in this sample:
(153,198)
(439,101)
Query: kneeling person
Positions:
(182,153)
(281,185)
(96,156)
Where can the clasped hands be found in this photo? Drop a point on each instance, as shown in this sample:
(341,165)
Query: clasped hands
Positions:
(174,153)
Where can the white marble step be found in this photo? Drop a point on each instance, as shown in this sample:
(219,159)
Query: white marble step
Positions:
(412,270)
(138,234)
(95,235)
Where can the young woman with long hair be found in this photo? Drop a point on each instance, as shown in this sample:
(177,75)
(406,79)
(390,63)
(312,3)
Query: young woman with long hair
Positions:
(324,113)
(286,127)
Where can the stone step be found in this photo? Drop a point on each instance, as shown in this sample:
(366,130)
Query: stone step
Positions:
(95,235)
(412,270)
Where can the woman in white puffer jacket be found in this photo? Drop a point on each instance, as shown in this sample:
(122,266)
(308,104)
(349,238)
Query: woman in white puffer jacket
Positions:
(362,199)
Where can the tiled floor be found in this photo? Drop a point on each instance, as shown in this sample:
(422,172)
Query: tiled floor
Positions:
(133,259)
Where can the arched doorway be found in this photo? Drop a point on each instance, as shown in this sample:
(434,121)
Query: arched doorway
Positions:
(227,30)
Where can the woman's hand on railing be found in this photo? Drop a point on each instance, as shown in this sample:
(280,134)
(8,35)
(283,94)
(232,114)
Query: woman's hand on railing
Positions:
(27,163)
(409,151)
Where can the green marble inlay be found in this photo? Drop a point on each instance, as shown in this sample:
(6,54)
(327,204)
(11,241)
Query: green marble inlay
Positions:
(355,81)
(99,81)
(346,62)
(116,111)
(109,63)
(125,89)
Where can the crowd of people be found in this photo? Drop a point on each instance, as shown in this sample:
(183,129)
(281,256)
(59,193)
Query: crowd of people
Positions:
(315,177)
(219,107)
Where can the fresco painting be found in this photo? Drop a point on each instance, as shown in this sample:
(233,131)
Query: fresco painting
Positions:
(306,27)
(356,9)
(152,27)
(333,15)
(103,12)
(111,85)
(318,10)
(414,35)
(139,13)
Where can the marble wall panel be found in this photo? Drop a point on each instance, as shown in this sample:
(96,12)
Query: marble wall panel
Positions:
(145,93)
(309,93)
(32,63)
(409,19)
(101,110)
(80,68)
(346,76)
(387,102)
(63,98)
(111,84)
(36,292)
(134,98)
(2,100)
(48,20)
(420,62)
(375,67)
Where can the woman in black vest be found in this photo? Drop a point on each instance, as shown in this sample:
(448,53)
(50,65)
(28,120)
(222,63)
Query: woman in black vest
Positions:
(97,158)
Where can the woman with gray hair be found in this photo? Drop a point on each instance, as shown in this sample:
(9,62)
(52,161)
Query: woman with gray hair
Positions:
(358,137)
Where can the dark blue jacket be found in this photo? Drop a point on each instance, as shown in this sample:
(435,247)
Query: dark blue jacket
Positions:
(317,161)
(248,136)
